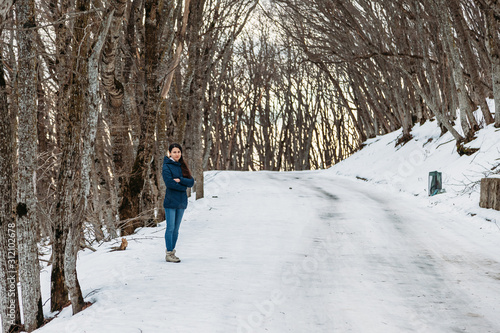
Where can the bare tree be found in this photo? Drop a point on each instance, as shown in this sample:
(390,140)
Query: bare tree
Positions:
(26,208)
(401,47)
(493,47)
(469,60)
(9,302)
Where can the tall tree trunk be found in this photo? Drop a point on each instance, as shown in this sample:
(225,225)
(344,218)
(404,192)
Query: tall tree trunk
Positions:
(134,196)
(58,290)
(73,149)
(85,104)
(193,94)
(467,120)
(26,209)
(116,93)
(9,301)
(91,112)
(93,102)
(494,50)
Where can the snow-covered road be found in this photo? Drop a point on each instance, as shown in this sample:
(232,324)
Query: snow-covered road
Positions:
(297,252)
(399,267)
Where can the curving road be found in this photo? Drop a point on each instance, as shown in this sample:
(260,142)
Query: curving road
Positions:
(383,262)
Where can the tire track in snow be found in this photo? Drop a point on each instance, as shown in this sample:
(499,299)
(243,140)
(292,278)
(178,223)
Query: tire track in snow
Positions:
(407,261)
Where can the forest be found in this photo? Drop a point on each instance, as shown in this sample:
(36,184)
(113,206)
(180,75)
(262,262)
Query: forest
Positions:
(93,92)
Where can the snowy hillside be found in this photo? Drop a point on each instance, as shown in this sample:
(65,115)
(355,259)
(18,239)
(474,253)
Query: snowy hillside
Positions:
(406,168)
(315,251)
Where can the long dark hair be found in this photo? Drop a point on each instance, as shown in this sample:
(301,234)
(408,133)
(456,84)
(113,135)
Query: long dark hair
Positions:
(184,167)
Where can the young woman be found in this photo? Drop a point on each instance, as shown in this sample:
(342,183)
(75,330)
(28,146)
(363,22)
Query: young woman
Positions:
(177,178)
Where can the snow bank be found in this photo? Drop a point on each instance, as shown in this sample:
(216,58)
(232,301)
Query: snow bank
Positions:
(406,168)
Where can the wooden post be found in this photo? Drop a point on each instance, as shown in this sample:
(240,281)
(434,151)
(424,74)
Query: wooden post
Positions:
(490,193)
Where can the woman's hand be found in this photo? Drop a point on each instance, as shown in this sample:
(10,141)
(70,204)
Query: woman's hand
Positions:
(177,180)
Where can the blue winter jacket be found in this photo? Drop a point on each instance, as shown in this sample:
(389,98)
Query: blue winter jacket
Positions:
(175,196)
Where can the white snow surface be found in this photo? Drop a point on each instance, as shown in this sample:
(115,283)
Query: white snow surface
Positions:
(313,251)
